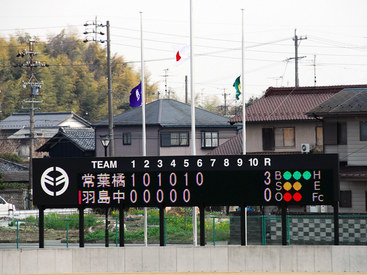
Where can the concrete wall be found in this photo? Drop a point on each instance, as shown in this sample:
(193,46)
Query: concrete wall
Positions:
(16,197)
(185,259)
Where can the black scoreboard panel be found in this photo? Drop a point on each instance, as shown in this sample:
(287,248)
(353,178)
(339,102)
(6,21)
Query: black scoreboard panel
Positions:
(187,180)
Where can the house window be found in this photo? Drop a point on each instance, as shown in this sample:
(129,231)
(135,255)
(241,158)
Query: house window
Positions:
(335,133)
(126,138)
(268,139)
(342,133)
(345,198)
(363,130)
(278,137)
(209,139)
(174,139)
(284,137)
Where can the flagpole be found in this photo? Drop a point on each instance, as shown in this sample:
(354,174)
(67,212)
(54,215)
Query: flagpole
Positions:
(243,91)
(193,133)
(243,109)
(143,118)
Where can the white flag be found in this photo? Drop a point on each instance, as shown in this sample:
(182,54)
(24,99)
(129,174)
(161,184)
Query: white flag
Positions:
(181,54)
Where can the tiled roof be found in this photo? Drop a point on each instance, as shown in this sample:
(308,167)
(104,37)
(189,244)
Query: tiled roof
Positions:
(15,176)
(83,138)
(8,166)
(279,104)
(352,101)
(22,120)
(168,113)
(232,146)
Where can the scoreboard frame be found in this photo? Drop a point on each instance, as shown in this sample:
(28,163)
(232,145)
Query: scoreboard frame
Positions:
(299,179)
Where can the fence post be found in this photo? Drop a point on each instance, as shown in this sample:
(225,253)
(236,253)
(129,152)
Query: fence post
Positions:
(288,232)
(67,233)
(165,231)
(263,230)
(116,230)
(17,234)
(214,231)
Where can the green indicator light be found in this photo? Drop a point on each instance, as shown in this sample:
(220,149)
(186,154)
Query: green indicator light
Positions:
(297,175)
(306,175)
(287,175)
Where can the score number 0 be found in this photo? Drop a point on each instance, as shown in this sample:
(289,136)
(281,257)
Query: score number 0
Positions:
(160,193)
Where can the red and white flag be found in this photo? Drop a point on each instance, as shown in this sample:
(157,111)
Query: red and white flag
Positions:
(181,54)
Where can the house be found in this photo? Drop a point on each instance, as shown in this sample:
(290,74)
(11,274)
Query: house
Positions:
(344,118)
(15,130)
(14,173)
(281,122)
(277,123)
(168,130)
(70,142)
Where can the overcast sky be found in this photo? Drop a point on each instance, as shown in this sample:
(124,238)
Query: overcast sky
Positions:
(335,49)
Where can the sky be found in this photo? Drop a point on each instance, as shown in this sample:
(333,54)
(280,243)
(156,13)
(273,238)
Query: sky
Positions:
(332,48)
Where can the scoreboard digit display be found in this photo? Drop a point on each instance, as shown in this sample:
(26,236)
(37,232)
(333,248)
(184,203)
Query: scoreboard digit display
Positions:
(187,180)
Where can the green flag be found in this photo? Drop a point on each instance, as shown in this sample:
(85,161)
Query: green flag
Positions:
(237,86)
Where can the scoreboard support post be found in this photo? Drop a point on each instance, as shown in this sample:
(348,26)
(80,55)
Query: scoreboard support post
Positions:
(243,225)
(202,224)
(106,229)
(336,223)
(42,227)
(161,226)
(284,225)
(81,226)
(122,226)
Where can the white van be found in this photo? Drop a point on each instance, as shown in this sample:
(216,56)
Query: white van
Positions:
(5,206)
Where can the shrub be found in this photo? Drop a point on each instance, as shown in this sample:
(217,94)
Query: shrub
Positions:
(11,157)
(58,222)
(99,235)
(13,185)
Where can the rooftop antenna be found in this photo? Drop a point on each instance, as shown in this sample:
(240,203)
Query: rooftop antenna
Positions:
(276,79)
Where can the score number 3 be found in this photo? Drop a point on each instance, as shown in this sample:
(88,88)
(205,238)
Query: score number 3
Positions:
(267,191)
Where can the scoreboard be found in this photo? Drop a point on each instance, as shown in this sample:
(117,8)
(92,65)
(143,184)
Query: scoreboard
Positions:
(305,179)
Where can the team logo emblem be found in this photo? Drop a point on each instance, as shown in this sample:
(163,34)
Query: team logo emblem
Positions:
(52,178)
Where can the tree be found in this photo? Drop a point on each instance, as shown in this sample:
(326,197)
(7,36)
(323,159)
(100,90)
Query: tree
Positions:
(76,79)
(251,100)
(11,157)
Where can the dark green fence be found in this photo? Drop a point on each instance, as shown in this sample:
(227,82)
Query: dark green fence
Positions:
(219,230)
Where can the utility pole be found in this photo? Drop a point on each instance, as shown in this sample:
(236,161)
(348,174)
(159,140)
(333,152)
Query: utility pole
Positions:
(202,96)
(296,44)
(314,69)
(109,75)
(186,100)
(225,102)
(34,92)
(166,92)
